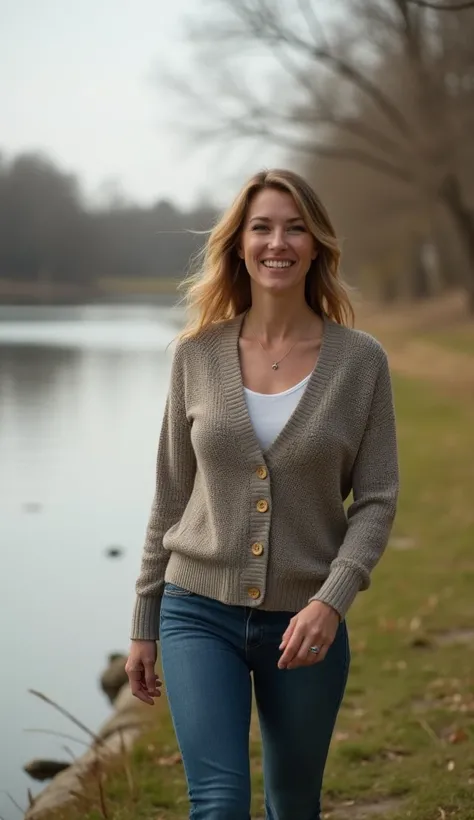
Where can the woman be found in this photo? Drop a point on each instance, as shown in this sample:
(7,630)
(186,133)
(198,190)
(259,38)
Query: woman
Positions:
(276,412)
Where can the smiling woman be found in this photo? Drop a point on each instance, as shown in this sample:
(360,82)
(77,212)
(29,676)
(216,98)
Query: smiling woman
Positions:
(277,411)
(281,205)
(276,246)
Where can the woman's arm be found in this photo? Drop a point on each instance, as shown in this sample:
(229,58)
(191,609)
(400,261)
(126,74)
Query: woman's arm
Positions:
(375,493)
(175,472)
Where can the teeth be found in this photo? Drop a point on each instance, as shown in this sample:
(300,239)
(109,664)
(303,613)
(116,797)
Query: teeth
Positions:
(274,264)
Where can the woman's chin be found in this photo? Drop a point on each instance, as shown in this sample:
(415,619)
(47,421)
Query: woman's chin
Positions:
(278,285)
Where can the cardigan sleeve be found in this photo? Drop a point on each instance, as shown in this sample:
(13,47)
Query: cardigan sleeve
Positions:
(175,472)
(375,483)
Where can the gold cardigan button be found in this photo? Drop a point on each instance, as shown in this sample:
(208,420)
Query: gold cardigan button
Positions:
(257,548)
(262,472)
(253,592)
(262,505)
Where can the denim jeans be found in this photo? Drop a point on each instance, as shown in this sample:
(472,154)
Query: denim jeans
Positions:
(210,653)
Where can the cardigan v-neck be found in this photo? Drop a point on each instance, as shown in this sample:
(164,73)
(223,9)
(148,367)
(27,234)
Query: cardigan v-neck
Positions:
(268,528)
(234,387)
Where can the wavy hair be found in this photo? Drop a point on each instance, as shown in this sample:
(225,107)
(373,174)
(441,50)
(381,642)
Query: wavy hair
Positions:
(219,289)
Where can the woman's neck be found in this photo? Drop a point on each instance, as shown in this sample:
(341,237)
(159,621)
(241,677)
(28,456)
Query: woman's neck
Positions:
(277,320)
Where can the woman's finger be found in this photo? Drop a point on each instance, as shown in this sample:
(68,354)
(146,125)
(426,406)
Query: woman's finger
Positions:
(291,649)
(304,656)
(287,633)
(319,656)
(138,686)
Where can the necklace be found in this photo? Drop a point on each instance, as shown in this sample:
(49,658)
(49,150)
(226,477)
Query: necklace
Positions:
(276,363)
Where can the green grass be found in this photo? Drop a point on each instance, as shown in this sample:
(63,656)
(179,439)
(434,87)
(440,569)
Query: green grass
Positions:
(406,729)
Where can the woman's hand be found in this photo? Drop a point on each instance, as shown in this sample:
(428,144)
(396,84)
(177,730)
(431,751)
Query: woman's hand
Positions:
(140,668)
(316,625)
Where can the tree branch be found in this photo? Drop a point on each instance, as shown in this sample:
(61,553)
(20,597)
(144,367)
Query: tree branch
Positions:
(307,10)
(324,151)
(268,29)
(352,74)
(371,135)
(263,25)
(427,4)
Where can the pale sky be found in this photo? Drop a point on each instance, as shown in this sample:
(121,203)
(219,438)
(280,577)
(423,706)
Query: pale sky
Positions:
(78,81)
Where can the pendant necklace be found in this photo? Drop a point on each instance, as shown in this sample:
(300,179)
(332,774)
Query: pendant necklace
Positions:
(276,363)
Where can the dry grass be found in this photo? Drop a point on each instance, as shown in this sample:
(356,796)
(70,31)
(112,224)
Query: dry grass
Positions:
(432,341)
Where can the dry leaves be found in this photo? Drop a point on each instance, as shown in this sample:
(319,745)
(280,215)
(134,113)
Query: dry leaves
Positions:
(394,755)
(390,666)
(458,736)
(415,624)
(171,760)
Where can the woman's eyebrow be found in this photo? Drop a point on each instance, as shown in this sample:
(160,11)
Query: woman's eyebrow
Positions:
(267,219)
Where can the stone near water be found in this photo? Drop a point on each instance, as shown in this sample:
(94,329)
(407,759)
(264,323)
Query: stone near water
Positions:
(40,769)
(114,677)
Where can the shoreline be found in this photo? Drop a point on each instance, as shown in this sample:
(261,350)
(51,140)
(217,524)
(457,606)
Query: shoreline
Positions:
(117,736)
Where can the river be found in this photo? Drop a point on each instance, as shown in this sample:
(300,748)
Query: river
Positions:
(82,393)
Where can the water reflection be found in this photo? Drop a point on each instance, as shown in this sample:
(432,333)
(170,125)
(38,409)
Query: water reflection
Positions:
(79,424)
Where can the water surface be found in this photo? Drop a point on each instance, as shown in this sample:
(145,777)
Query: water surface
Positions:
(82,393)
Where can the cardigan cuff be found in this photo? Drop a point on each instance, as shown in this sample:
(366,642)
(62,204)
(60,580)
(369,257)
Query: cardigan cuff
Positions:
(340,588)
(146,618)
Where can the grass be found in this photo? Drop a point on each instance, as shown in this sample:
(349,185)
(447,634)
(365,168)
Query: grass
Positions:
(459,341)
(404,738)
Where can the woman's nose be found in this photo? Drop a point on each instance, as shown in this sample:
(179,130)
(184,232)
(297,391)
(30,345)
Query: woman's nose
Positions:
(277,239)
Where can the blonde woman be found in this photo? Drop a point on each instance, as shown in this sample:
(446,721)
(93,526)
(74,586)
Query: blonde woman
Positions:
(277,411)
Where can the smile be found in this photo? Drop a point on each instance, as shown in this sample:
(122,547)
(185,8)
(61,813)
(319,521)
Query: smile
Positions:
(277,263)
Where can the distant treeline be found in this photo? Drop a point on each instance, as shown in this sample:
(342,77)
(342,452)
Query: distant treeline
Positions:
(47,233)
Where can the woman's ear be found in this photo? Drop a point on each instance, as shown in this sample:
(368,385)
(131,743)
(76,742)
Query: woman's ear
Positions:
(315,253)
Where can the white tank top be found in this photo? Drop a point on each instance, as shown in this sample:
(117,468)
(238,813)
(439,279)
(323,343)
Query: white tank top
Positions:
(269,412)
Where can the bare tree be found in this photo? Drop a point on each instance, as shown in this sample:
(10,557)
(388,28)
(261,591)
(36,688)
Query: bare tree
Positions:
(413,140)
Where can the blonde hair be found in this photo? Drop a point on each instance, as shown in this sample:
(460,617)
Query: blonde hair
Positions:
(220,287)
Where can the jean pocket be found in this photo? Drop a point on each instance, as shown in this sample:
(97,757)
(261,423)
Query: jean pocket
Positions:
(174,591)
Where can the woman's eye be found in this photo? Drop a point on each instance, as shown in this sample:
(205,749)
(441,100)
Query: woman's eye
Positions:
(297,228)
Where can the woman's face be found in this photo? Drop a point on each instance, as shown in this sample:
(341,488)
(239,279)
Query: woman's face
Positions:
(275,244)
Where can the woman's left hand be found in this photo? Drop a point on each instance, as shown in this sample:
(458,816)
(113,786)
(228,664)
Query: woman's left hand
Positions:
(316,625)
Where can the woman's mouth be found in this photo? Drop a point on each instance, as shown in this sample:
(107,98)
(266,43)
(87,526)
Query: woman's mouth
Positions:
(277,263)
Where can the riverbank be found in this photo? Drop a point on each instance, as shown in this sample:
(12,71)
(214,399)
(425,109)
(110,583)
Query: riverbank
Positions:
(114,741)
(45,292)
(404,741)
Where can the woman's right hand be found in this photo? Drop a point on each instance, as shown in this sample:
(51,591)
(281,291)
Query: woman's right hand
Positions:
(140,668)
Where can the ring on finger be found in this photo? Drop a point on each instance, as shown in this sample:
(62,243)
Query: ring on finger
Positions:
(315,650)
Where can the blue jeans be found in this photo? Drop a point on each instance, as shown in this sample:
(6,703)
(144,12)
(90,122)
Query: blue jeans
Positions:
(209,651)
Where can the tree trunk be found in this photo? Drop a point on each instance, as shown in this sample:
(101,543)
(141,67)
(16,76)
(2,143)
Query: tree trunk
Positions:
(419,279)
(463,219)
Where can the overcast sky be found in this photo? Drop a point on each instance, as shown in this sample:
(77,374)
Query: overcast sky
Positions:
(78,81)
